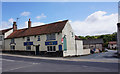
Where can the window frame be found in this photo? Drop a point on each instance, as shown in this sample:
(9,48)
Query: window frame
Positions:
(1,38)
(12,47)
(51,36)
(12,40)
(38,39)
(27,47)
(28,39)
(51,48)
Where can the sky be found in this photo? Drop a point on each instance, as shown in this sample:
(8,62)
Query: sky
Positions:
(86,18)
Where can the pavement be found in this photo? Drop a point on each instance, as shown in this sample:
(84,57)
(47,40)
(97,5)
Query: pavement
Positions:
(98,57)
(20,63)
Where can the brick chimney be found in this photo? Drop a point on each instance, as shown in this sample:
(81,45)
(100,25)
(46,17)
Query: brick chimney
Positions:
(14,26)
(29,24)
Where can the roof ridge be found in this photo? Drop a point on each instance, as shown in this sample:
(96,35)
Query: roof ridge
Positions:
(54,27)
(44,24)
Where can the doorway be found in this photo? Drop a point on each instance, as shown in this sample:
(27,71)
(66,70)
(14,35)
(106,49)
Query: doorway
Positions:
(37,50)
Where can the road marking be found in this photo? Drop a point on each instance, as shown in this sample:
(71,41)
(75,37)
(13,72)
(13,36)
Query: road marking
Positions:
(85,66)
(8,60)
(35,63)
(19,68)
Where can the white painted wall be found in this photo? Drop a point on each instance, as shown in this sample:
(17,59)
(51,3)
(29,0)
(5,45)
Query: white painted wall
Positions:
(8,33)
(1,43)
(86,51)
(70,40)
(112,46)
(79,47)
(20,43)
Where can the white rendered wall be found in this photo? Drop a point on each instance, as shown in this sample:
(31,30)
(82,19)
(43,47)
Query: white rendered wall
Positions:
(79,47)
(20,43)
(86,51)
(70,40)
(8,33)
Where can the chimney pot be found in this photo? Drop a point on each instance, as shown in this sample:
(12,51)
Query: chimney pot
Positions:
(14,26)
(29,23)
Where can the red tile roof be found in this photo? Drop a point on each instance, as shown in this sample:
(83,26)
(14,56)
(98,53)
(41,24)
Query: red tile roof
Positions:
(39,30)
(5,30)
(77,38)
(112,42)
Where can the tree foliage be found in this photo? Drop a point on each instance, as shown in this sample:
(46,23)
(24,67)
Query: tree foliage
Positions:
(106,38)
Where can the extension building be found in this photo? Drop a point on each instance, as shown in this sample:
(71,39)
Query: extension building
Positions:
(96,44)
(3,34)
(118,37)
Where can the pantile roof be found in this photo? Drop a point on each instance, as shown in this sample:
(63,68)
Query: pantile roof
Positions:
(55,27)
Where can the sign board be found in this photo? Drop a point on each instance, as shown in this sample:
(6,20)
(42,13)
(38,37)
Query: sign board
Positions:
(62,40)
(51,43)
(28,43)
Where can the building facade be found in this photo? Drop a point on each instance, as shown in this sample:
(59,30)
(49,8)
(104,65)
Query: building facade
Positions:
(93,44)
(3,34)
(51,38)
(118,37)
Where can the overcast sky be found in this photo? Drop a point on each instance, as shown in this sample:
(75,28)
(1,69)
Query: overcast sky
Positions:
(86,18)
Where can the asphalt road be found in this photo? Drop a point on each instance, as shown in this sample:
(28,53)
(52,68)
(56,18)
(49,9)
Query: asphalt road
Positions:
(103,55)
(20,64)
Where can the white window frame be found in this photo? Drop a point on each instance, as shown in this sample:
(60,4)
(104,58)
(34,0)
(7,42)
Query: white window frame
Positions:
(52,49)
(28,39)
(28,46)
(38,38)
(12,40)
(1,38)
(51,36)
(11,47)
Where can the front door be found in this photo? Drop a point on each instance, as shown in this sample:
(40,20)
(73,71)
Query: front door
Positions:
(37,50)
(65,44)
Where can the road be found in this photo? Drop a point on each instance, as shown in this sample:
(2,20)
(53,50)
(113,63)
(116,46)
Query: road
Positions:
(22,64)
(104,55)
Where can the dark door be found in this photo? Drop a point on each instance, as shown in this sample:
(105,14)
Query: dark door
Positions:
(37,50)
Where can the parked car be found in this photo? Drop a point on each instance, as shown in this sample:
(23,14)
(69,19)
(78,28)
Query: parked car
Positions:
(106,50)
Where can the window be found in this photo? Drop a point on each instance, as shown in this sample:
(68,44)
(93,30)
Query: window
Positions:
(28,38)
(28,47)
(0,46)
(13,40)
(72,34)
(51,37)
(51,48)
(38,38)
(1,38)
(12,47)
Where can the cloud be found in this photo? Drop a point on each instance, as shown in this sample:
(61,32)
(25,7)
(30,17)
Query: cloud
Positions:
(37,24)
(11,20)
(96,24)
(25,13)
(7,24)
(41,16)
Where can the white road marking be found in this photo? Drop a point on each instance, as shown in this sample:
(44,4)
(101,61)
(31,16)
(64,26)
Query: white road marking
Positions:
(9,60)
(85,66)
(32,63)
(18,68)
(36,63)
